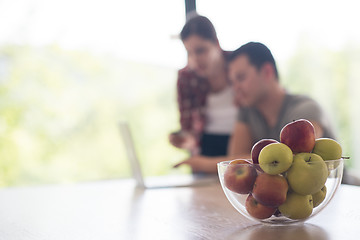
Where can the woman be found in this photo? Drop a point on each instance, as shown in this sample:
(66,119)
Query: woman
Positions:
(205,98)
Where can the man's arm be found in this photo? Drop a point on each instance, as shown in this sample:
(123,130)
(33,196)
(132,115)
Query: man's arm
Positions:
(240,143)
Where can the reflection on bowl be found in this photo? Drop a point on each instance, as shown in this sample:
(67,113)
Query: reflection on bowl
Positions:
(292,207)
(293,232)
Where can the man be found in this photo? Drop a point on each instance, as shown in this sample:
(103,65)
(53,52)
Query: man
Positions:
(266,106)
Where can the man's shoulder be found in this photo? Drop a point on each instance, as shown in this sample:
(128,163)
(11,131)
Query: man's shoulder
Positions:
(306,107)
(294,100)
(298,97)
(301,106)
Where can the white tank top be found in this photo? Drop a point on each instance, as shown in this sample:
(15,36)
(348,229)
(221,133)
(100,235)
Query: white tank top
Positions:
(221,112)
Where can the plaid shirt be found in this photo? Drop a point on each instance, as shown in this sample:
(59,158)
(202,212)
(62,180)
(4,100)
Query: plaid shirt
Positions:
(191,92)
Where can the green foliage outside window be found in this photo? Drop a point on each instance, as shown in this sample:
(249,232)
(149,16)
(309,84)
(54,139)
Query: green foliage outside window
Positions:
(59,110)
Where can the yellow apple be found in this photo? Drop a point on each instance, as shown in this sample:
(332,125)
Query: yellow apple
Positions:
(275,158)
(307,174)
(319,196)
(297,206)
(328,149)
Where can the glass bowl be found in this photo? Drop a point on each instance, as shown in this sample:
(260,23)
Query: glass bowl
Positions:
(238,200)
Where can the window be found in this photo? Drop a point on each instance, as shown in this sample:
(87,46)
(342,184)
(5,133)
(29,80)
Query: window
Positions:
(70,70)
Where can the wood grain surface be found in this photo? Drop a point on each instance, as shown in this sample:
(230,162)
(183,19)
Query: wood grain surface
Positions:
(118,210)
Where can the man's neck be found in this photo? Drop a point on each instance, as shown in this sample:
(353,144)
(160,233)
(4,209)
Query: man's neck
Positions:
(271,104)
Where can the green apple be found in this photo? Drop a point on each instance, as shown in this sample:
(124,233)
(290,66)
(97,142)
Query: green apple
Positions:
(327,148)
(258,146)
(319,196)
(275,158)
(308,173)
(297,206)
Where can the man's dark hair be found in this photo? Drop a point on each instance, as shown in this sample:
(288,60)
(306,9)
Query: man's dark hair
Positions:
(201,26)
(257,53)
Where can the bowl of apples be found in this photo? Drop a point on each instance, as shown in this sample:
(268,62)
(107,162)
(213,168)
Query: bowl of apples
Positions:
(284,182)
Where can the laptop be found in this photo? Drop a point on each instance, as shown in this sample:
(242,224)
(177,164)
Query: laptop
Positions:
(195,179)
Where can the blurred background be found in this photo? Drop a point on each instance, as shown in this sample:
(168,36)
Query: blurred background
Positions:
(71,70)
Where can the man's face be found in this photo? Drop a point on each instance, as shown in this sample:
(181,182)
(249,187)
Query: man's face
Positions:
(247,81)
(203,55)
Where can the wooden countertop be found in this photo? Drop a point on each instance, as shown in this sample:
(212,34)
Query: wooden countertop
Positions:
(117,210)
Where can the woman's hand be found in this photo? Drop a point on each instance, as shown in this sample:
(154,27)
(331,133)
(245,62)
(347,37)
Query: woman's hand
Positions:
(183,140)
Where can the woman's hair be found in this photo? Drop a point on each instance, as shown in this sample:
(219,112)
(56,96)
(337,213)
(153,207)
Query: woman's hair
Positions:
(200,26)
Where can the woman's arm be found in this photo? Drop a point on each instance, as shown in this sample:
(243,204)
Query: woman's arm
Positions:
(239,147)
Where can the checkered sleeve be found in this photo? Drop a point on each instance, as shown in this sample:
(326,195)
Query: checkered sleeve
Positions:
(184,97)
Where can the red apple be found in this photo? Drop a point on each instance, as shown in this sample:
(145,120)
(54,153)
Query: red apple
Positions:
(240,176)
(255,151)
(299,136)
(257,210)
(270,190)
